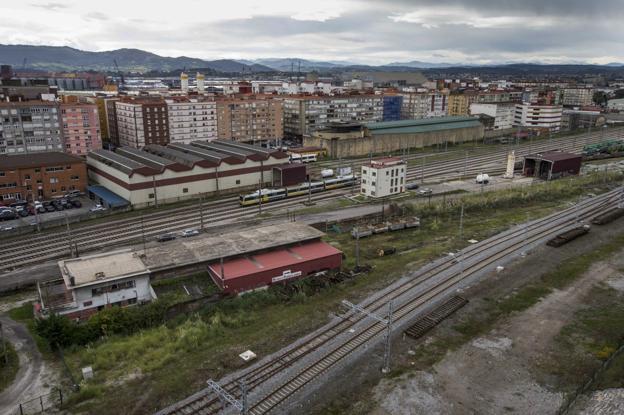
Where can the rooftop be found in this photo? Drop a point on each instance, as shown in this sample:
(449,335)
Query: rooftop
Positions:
(554,156)
(422,125)
(386,161)
(94,269)
(33,160)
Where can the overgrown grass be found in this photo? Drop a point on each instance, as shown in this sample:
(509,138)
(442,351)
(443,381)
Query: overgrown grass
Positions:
(9,364)
(24,314)
(169,362)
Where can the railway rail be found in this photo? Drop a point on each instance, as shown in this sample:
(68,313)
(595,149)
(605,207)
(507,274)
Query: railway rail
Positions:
(204,403)
(25,251)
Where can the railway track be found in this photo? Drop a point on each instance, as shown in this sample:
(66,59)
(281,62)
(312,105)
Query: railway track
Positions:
(30,250)
(204,403)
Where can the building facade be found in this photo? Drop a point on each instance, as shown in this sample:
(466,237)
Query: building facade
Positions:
(30,127)
(538,116)
(577,97)
(111,120)
(251,119)
(81,128)
(616,104)
(503,113)
(40,176)
(383,177)
(305,115)
(191,119)
(392,107)
(424,105)
(141,122)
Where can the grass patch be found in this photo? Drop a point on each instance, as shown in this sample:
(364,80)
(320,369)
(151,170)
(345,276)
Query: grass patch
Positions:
(9,364)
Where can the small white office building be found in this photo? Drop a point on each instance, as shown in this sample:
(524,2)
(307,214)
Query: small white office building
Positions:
(383,177)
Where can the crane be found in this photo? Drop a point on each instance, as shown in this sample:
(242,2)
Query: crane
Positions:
(123,80)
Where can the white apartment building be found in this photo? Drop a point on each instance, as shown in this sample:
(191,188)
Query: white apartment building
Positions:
(538,116)
(577,97)
(306,87)
(191,119)
(383,177)
(503,113)
(424,105)
(30,127)
(304,115)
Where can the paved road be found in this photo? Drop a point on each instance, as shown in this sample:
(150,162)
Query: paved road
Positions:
(29,377)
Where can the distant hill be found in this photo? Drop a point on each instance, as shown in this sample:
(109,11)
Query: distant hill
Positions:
(288,64)
(57,58)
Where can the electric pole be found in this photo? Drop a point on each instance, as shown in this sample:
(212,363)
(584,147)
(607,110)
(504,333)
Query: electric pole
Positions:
(201,214)
(461,223)
(225,397)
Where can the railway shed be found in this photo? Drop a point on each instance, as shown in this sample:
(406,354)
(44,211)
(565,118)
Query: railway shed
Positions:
(552,165)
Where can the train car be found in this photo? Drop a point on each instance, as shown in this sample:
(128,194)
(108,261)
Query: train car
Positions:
(304,189)
(266,195)
(340,181)
(303,158)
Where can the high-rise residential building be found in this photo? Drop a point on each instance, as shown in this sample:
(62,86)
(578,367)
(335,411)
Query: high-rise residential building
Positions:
(424,105)
(538,116)
(502,112)
(142,121)
(459,103)
(81,128)
(577,97)
(111,121)
(30,127)
(250,118)
(191,119)
(306,114)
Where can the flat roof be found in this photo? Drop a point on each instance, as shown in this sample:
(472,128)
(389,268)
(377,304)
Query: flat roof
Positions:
(33,160)
(554,156)
(238,267)
(111,198)
(95,269)
(208,248)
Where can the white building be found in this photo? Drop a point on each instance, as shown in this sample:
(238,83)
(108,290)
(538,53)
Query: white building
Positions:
(383,177)
(424,105)
(538,116)
(191,119)
(503,113)
(616,104)
(95,282)
(158,174)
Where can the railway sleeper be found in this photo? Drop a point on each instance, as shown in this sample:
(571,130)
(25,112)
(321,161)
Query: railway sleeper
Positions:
(432,319)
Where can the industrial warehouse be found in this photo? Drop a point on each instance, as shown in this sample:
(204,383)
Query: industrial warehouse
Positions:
(158,174)
(552,165)
(237,262)
(353,139)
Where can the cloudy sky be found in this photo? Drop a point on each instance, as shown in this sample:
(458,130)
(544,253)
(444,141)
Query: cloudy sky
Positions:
(363,31)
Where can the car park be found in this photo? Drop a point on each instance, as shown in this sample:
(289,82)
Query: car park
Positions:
(189,232)
(166,237)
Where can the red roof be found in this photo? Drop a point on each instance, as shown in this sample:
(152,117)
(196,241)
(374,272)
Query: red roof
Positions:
(294,255)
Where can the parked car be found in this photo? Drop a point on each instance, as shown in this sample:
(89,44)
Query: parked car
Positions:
(411,186)
(425,191)
(166,237)
(57,205)
(23,213)
(189,232)
(76,203)
(97,208)
(74,193)
(7,214)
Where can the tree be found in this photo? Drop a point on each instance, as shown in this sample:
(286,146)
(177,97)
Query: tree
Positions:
(600,98)
(619,93)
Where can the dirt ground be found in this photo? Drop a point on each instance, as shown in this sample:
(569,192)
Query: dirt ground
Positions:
(493,374)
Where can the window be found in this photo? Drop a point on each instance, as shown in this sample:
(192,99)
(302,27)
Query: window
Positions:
(237,181)
(87,303)
(185,190)
(2,174)
(151,195)
(53,180)
(132,301)
(37,170)
(75,177)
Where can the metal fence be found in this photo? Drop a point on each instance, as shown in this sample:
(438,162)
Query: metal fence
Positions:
(41,404)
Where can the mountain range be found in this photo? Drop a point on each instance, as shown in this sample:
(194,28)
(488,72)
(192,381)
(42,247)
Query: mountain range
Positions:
(63,58)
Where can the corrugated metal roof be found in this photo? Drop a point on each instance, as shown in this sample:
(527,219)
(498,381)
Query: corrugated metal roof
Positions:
(32,160)
(426,128)
(420,122)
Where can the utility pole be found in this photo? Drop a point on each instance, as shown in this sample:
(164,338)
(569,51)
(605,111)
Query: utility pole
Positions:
(260,197)
(69,236)
(422,171)
(357,248)
(242,406)
(201,214)
(461,223)
(309,191)
(155,192)
(385,321)
(525,236)
(143,233)
(37,220)
(465,163)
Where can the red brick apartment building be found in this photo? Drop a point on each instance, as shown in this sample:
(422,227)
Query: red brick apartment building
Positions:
(40,176)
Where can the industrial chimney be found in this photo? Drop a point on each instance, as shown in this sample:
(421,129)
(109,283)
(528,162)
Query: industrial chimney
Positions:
(200,83)
(184,83)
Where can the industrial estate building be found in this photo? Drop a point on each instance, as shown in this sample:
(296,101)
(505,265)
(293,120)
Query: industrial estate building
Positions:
(30,127)
(383,177)
(164,174)
(552,165)
(40,176)
(348,140)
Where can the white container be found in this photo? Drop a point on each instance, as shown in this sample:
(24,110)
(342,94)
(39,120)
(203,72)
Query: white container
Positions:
(327,173)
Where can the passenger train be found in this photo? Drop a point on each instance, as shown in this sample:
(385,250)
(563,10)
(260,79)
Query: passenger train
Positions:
(269,195)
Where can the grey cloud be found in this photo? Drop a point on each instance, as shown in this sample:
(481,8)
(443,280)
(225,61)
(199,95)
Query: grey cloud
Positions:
(50,6)
(96,16)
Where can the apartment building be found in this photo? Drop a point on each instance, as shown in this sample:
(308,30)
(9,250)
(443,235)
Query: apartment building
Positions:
(250,118)
(577,97)
(39,176)
(392,107)
(383,177)
(30,127)
(424,105)
(141,122)
(111,121)
(538,116)
(191,119)
(81,128)
(503,113)
(459,103)
(306,114)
